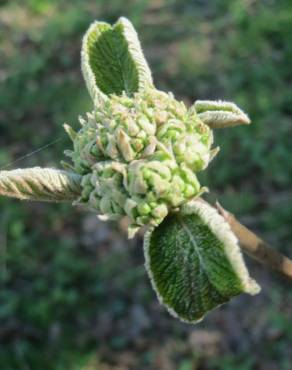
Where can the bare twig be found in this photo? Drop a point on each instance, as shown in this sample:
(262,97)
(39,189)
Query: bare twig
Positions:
(255,247)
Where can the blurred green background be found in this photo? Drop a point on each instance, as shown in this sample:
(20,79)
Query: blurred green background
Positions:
(73,291)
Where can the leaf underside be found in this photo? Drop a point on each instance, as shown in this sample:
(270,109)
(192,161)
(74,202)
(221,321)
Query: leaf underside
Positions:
(220,114)
(40,184)
(112,59)
(190,269)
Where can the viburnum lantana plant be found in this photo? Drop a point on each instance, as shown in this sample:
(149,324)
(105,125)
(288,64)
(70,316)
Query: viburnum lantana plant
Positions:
(137,154)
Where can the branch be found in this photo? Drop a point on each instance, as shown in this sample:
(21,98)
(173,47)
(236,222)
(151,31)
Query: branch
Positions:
(255,247)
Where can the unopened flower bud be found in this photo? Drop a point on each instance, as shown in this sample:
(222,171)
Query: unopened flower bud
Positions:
(139,156)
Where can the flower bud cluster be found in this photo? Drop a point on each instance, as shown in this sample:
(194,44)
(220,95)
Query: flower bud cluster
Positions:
(139,156)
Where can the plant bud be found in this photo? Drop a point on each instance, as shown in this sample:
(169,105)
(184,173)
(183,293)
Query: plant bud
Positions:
(139,156)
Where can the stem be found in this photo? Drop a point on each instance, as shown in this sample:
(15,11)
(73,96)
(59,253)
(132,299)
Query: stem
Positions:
(257,248)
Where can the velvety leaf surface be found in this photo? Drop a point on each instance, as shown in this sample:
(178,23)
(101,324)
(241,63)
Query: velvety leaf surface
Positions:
(112,59)
(194,263)
(40,184)
(220,114)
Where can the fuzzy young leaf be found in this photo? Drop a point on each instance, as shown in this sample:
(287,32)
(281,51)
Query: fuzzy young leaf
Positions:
(220,114)
(113,61)
(194,262)
(41,184)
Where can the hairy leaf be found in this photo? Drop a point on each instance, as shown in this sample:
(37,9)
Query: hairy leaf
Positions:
(112,60)
(195,263)
(41,184)
(220,114)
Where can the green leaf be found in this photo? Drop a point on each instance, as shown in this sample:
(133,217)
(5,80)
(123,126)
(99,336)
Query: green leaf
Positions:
(194,262)
(112,60)
(41,184)
(220,114)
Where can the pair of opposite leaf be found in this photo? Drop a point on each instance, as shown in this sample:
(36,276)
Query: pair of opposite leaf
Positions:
(137,155)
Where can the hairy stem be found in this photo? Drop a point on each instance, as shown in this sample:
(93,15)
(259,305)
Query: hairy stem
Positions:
(257,248)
